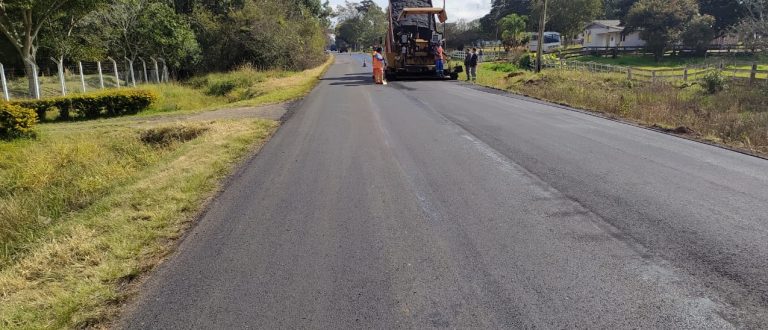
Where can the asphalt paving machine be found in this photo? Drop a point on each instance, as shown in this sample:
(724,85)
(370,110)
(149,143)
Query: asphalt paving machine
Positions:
(413,39)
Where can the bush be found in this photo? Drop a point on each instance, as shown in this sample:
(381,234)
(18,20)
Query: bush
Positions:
(95,105)
(223,84)
(713,82)
(525,61)
(503,67)
(16,121)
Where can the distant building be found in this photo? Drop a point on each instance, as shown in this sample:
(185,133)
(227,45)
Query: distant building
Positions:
(609,33)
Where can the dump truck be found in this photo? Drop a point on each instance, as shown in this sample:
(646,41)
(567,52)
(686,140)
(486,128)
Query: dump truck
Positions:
(413,39)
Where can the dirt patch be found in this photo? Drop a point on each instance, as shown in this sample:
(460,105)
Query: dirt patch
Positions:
(682,130)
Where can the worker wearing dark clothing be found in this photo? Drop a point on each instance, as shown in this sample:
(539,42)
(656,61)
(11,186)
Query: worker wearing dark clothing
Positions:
(472,66)
(467,58)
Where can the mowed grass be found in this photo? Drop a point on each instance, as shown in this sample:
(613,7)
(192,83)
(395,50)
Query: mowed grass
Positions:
(736,116)
(87,207)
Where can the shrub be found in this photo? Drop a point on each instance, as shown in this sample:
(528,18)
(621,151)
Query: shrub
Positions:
(503,67)
(95,105)
(525,61)
(16,121)
(713,82)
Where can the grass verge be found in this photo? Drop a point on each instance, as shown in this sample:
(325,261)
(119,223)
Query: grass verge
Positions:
(736,117)
(70,268)
(245,86)
(87,207)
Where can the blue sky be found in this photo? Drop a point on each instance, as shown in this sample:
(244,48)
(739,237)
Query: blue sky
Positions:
(468,9)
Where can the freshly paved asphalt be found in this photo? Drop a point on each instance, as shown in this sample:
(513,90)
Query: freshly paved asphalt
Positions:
(433,205)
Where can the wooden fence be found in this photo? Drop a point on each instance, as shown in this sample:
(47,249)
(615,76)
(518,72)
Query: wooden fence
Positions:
(614,51)
(686,73)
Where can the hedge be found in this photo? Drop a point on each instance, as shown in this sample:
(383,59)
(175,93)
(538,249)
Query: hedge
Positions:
(94,105)
(16,121)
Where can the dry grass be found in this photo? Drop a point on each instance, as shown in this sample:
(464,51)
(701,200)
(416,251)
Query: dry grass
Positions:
(72,270)
(88,206)
(737,116)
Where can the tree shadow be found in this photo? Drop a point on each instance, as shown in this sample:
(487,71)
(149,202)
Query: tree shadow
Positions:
(351,79)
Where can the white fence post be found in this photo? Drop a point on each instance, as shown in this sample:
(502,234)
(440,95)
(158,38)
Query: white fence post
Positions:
(157,70)
(130,67)
(165,71)
(82,75)
(6,96)
(101,75)
(117,73)
(144,65)
(62,82)
(35,79)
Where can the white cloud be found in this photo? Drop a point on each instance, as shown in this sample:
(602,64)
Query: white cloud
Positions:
(457,9)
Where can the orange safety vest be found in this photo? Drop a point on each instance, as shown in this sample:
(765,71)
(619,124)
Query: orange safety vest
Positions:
(378,63)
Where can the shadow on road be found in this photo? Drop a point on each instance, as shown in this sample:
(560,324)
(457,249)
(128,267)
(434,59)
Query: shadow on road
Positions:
(351,79)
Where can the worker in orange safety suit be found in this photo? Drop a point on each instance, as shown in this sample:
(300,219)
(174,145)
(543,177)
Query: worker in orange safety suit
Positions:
(379,63)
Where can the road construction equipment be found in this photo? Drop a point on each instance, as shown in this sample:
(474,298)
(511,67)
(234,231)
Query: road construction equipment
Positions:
(413,41)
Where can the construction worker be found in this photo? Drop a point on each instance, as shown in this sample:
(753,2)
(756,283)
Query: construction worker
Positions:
(439,57)
(378,66)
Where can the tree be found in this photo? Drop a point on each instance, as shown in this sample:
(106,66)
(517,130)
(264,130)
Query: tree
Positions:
(569,16)
(360,24)
(753,28)
(660,22)
(512,28)
(263,33)
(727,13)
(500,9)
(699,33)
(617,9)
(22,21)
(134,28)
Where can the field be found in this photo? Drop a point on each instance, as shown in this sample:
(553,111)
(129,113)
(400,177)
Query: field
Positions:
(736,116)
(87,207)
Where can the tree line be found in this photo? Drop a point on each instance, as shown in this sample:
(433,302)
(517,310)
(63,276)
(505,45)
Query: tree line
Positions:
(190,35)
(661,23)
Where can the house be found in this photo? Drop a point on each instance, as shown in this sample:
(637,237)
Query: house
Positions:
(610,33)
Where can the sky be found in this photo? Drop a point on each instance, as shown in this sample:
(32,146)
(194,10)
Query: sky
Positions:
(457,9)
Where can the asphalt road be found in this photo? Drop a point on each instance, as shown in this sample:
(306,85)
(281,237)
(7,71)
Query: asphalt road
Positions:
(435,205)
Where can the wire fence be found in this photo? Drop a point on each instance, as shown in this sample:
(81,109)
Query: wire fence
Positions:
(53,77)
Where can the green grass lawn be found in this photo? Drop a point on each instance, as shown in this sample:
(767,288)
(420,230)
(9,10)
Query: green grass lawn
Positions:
(87,207)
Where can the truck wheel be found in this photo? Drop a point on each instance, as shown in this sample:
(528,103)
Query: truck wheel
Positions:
(454,76)
(390,76)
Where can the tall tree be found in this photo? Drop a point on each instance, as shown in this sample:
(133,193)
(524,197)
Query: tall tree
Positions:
(500,9)
(617,9)
(753,28)
(360,24)
(699,33)
(661,22)
(22,21)
(726,13)
(512,29)
(569,16)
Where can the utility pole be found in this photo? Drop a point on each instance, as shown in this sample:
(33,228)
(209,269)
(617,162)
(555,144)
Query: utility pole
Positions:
(540,41)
